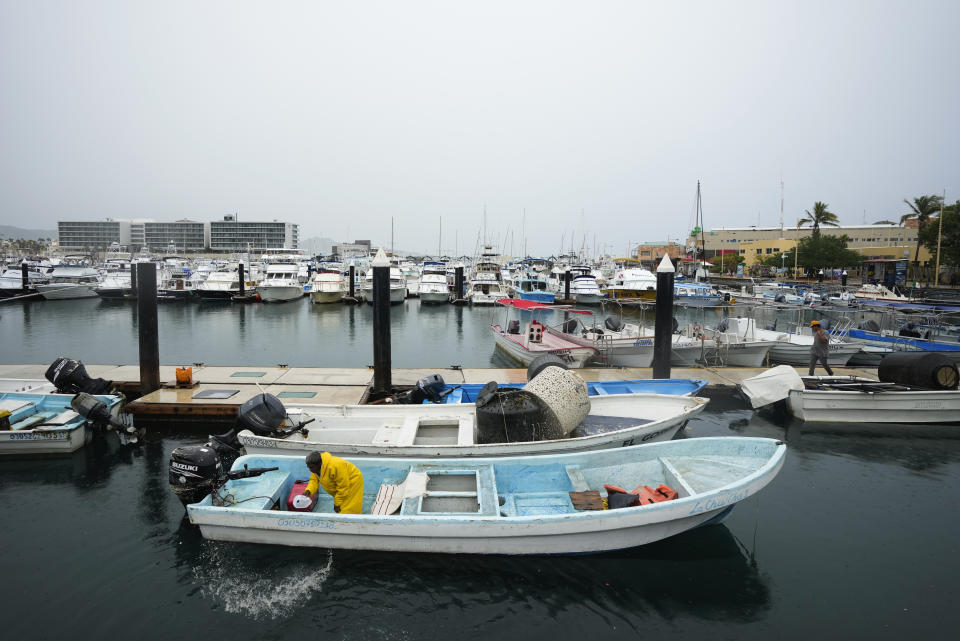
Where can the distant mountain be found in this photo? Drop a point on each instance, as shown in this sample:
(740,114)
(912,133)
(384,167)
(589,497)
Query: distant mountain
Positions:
(7,231)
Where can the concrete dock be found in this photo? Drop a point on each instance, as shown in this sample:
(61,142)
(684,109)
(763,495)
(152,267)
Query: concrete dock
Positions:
(308,385)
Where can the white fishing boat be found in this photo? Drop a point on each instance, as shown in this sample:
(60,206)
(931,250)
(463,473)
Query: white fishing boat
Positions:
(733,348)
(849,399)
(434,288)
(513,505)
(70,282)
(621,344)
(328,285)
(532,339)
(450,430)
(895,398)
(792,347)
(280,283)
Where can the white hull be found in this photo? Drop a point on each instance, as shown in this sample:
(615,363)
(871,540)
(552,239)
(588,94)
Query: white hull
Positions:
(397,295)
(43,441)
(326,297)
(840,406)
(790,354)
(279,293)
(434,297)
(412,430)
(587,299)
(738,468)
(749,354)
(66,291)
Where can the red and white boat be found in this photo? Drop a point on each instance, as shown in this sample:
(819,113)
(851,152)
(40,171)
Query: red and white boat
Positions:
(524,341)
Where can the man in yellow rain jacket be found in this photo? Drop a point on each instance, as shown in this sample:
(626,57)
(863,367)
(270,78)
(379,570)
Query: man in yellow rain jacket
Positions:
(341,479)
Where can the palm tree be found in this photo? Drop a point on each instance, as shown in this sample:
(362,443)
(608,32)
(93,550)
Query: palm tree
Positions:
(820,216)
(921,210)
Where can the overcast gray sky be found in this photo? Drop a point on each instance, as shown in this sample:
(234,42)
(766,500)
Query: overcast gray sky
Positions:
(341,115)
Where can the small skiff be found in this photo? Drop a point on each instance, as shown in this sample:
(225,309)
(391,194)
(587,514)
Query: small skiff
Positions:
(45,423)
(449,430)
(513,506)
(467,392)
(849,399)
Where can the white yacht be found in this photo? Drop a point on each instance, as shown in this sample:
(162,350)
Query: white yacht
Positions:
(412,275)
(219,285)
(398,286)
(433,283)
(280,283)
(583,286)
(68,281)
(632,280)
(486,285)
(328,285)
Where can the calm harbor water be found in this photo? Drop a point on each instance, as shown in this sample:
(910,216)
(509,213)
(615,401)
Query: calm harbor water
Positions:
(299,334)
(855,538)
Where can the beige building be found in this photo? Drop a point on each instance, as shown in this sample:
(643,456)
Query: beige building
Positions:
(873,241)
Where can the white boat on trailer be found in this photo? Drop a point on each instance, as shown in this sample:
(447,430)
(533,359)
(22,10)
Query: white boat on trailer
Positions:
(513,506)
(450,430)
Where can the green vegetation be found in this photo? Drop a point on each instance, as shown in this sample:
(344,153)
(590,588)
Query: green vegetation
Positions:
(822,252)
(921,209)
(950,243)
(820,216)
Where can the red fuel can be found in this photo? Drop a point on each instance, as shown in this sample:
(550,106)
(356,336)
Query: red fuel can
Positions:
(297,490)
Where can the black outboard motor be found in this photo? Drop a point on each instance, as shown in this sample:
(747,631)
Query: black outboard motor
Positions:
(197,470)
(613,323)
(70,377)
(95,411)
(429,388)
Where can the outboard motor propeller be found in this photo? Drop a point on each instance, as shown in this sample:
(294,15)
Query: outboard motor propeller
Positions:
(95,411)
(198,470)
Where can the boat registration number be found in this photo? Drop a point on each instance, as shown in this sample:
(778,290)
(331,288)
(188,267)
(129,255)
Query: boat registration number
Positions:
(718,502)
(37,436)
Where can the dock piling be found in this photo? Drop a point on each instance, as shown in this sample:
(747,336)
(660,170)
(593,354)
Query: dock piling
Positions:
(243,283)
(458,285)
(382,384)
(146,278)
(663,323)
(566,285)
(24,277)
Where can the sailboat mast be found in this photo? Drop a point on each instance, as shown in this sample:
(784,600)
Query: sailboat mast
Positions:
(440,239)
(703,242)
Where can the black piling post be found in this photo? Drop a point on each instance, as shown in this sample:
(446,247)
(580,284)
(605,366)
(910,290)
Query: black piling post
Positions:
(663,323)
(24,277)
(147,327)
(458,284)
(382,385)
(243,280)
(566,285)
(353,282)
(133,278)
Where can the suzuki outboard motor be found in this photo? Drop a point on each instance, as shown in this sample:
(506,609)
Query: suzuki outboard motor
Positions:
(197,470)
(70,377)
(429,388)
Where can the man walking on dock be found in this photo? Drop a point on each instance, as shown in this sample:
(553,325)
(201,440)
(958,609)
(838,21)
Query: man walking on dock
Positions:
(820,349)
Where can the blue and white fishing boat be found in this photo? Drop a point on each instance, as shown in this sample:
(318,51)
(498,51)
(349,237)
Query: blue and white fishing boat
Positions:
(515,506)
(46,423)
(450,430)
(533,288)
(467,392)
